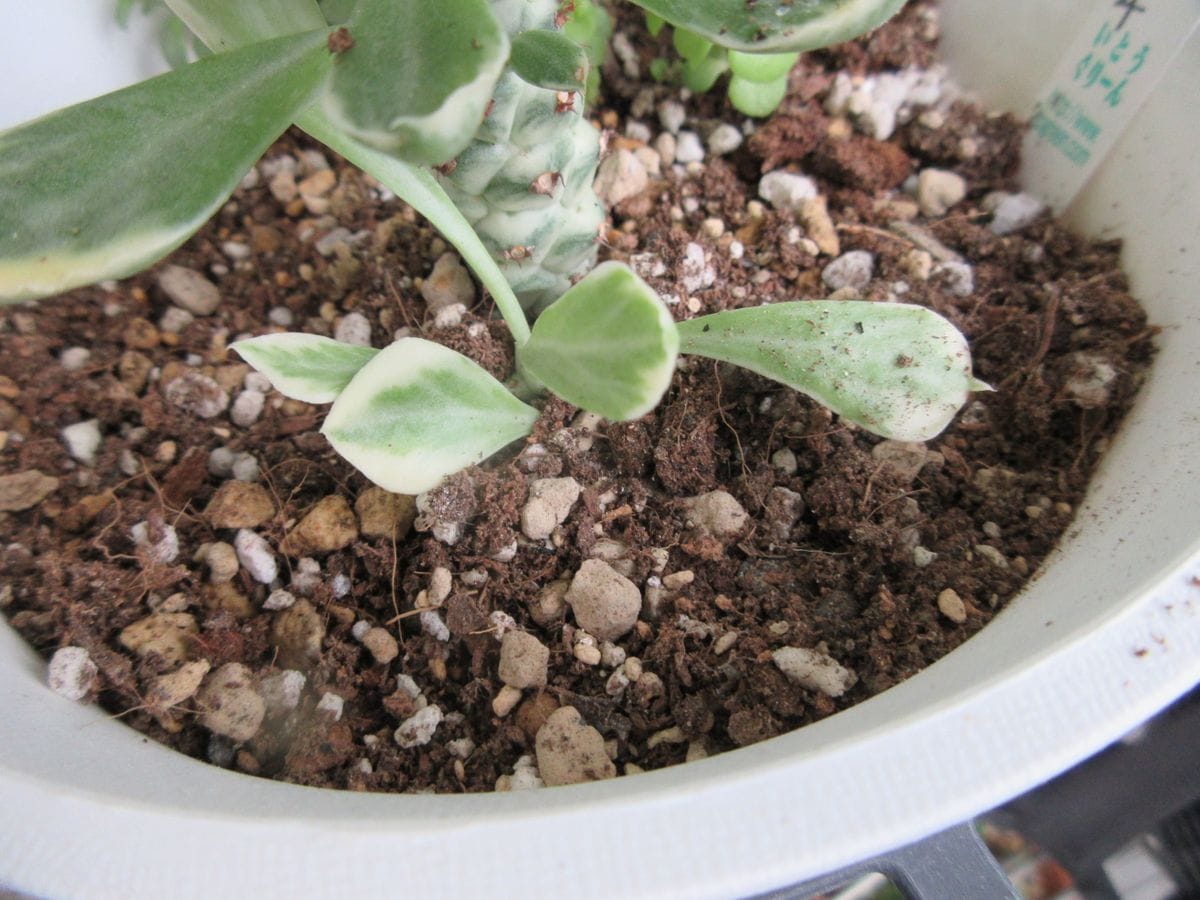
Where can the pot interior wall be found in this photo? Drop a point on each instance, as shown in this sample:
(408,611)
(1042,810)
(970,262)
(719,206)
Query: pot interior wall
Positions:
(1053,679)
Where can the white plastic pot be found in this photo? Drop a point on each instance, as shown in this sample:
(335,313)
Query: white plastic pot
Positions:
(1107,635)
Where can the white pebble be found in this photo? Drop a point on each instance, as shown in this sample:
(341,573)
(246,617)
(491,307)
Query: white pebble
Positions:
(71,672)
(235,250)
(688,148)
(716,514)
(332,705)
(672,115)
(1012,212)
(175,320)
(246,409)
(786,190)
(785,461)
(959,277)
(440,584)
(257,381)
(951,605)
(83,440)
(282,690)
(814,670)
(724,139)
(163,547)
(432,625)
(938,191)
(695,272)
(245,467)
(279,599)
(220,462)
(621,175)
(850,270)
(74,358)
(256,557)
(354,328)
(550,502)
(189,289)
(281,316)
(605,602)
(418,729)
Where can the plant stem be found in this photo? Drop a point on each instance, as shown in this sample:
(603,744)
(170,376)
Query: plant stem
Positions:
(420,189)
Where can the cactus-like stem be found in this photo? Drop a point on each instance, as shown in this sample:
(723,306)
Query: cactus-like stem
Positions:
(525,182)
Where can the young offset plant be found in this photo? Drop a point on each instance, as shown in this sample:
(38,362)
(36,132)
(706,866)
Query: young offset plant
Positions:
(469,110)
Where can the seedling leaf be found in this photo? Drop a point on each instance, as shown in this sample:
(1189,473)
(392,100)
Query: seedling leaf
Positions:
(105,188)
(773,25)
(417,81)
(898,370)
(418,412)
(305,367)
(607,345)
(549,59)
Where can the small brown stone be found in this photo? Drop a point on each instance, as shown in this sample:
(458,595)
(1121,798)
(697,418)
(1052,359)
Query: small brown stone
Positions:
(239,504)
(225,597)
(381,644)
(329,526)
(165,637)
(140,334)
(133,369)
(24,490)
(569,751)
(82,514)
(532,714)
(232,706)
(382,514)
(297,633)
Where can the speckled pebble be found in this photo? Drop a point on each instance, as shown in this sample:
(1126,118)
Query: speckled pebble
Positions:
(604,602)
(852,270)
(71,672)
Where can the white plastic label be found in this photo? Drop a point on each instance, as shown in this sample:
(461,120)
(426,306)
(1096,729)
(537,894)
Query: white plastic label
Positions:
(1123,49)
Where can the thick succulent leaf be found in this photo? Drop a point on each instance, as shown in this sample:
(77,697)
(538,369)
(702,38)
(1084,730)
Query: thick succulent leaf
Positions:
(757,98)
(418,412)
(607,345)
(897,370)
(549,59)
(690,45)
(701,74)
(419,76)
(774,25)
(762,68)
(419,189)
(105,188)
(590,26)
(226,24)
(305,367)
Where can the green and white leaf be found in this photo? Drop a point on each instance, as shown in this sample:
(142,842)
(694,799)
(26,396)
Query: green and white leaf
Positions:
(419,77)
(418,412)
(608,345)
(305,367)
(105,188)
(774,25)
(420,190)
(898,370)
(224,25)
(549,59)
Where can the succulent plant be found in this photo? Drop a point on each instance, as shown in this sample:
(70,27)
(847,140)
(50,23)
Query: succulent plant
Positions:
(525,181)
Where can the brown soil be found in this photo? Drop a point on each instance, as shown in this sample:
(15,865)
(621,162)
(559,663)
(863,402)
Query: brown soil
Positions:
(829,559)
